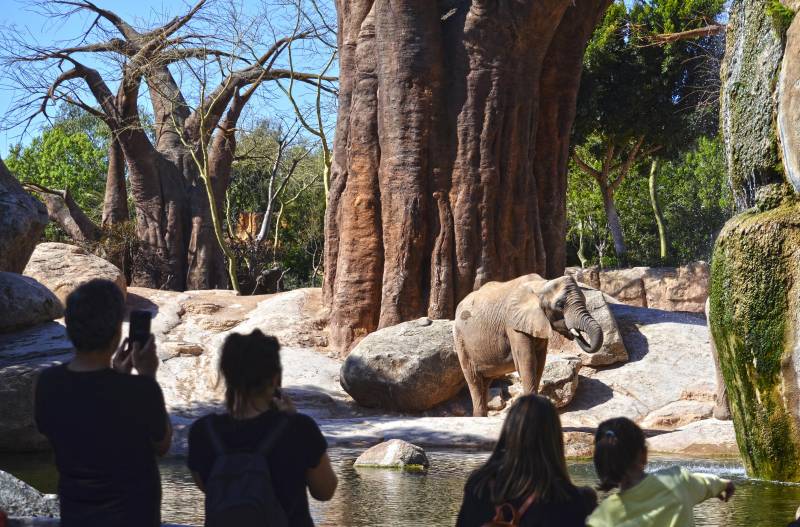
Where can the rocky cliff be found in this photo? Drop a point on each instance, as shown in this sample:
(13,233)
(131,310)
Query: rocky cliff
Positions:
(755,274)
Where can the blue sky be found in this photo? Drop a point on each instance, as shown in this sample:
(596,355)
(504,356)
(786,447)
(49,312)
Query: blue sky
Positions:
(21,16)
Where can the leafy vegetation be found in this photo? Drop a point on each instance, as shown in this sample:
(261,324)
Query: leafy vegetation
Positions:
(643,99)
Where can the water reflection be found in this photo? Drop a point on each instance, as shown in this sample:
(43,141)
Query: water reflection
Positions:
(373,497)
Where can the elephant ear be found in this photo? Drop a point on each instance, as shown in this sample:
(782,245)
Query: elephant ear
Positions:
(525,312)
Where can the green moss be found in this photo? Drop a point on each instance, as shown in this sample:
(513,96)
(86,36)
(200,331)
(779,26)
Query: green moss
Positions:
(755,266)
(781,16)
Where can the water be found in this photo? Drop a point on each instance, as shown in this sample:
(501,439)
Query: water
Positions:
(374,497)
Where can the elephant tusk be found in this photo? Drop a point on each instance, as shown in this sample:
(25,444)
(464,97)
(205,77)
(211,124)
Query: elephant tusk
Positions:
(575,332)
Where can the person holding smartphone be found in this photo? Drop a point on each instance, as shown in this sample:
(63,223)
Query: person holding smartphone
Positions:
(261,452)
(107,425)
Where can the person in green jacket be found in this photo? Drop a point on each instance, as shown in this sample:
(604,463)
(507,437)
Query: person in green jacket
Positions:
(665,498)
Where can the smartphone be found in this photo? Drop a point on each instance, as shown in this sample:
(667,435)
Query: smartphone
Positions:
(139,330)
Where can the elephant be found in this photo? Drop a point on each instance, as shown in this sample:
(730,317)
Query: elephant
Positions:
(505,326)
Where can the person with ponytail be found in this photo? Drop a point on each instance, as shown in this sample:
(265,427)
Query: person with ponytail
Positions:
(260,425)
(665,498)
(525,481)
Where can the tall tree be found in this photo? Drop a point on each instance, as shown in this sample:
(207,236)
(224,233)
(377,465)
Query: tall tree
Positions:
(434,186)
(650,85)
(180,247)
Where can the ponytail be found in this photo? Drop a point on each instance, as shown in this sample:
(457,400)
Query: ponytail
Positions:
(618,443)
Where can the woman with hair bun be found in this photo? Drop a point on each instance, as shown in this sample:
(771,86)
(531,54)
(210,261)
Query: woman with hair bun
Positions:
(258,459)
(665,498)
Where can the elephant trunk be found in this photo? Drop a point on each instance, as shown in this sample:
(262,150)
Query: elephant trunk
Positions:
(581,323)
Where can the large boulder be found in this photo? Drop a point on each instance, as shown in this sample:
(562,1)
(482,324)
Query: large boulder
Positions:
(722,408)
(17,498)
(22,221)
(25,302)
(613,349)
(394,453)
(559,380)
(23,355)
(408,367)
(755,302)
(63,268)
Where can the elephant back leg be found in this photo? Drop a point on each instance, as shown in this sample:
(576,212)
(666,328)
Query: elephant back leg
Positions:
(477,383)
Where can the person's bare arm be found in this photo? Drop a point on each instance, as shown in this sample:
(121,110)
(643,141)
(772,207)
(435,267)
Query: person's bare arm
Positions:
(322,480)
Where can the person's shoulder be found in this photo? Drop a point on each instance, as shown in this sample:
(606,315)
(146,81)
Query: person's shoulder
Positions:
(605,513)
(587,497)
(671,473)
(302,421)
(201,423)
(53,372)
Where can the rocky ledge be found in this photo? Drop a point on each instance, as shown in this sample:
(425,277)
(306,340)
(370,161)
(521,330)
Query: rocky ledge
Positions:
(667,385)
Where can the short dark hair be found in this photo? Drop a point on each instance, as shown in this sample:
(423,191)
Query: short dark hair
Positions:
(618,443)
(248,364)
(94,314)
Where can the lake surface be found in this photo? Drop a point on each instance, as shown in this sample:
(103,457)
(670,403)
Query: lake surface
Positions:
(374,497)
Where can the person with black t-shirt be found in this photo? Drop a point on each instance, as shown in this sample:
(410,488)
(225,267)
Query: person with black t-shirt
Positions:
(525,478)
(257,410)
(106,425)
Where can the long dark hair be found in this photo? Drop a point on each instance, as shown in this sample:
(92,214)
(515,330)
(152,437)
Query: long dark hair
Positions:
(618,444)
(528,458)
(248,364)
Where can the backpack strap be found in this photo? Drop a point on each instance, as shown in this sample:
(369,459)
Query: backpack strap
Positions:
(527,505)
(273,435)
(216,440)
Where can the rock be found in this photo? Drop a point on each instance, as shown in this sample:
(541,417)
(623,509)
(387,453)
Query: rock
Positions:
(63,267)
(669,357)
(394,453)
(23,355)
(788,117)
(668,288)
(408,367)
(754,308)
(22,221)
(560,380)
(749,77)
(722,407)
(677,414)
(25,302)
(677,289)
(709,437)
(613,349)
(17,498)
(625,285)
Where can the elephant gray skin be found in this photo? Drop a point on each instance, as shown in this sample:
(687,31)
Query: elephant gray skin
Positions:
(505,326)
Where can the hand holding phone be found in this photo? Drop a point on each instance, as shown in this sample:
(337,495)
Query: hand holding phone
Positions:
(143,344)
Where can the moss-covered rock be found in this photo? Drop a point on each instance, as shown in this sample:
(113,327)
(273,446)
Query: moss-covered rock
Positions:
(755,304)
(749,75)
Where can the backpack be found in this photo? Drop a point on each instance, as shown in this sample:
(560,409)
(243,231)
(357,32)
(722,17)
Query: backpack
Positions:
(499,519)
(240,490)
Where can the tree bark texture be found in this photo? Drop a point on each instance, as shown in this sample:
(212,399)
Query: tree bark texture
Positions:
(614,224)
(115,202)
(440,180)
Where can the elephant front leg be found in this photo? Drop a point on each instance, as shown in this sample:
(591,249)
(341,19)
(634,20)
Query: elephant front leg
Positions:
(529,359)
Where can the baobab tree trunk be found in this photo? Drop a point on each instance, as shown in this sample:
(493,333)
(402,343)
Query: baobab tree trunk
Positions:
(434,190)
(560,82)
(115,203)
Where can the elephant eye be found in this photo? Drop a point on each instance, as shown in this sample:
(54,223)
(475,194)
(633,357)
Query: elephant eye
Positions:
(560,304)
